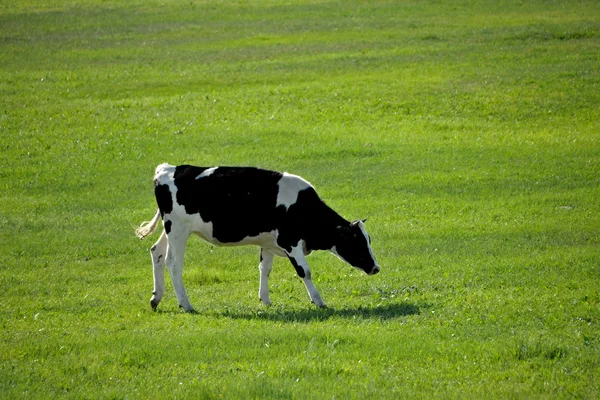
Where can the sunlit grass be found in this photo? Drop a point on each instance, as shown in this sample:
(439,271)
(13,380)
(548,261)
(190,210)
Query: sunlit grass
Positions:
(467,133)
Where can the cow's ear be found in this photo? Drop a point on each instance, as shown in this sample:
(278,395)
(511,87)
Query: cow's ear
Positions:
(364,220)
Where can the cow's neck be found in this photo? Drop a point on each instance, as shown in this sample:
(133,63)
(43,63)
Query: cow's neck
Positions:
(323,230)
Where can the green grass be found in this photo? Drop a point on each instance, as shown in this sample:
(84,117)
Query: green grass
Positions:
(467,133)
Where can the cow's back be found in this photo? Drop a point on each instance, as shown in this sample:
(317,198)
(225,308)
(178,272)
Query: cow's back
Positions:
(237,202)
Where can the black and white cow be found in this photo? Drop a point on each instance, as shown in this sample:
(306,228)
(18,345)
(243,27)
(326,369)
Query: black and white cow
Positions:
(234,206)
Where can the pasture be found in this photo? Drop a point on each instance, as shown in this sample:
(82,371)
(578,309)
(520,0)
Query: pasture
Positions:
(467,132)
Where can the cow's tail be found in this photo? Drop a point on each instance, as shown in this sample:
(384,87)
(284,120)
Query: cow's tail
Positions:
(147,228)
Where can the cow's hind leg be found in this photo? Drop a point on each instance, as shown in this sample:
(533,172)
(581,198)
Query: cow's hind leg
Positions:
(158,252)
(303,270)
(265,266)
(175,256)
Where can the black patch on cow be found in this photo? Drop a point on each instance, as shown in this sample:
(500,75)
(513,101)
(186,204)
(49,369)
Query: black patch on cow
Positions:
(239,201)
(164,199)
(299,269)
(297,221)
(168,227)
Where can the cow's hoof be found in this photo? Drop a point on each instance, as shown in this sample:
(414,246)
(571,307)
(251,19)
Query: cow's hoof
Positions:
(266,303)
(189,311)
(320,305)
(153,304)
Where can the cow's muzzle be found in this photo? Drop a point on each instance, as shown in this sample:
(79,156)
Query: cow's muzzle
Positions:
(375,270)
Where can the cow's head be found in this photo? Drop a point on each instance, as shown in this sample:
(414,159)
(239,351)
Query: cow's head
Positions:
(353,245)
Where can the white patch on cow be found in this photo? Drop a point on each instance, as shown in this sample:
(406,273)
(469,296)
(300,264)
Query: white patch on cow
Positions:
(266,240)
(207,172)
(164,174)
(289,186)
(361,225)
(201,228)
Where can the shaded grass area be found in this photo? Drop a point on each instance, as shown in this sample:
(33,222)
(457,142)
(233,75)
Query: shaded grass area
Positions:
(466,132)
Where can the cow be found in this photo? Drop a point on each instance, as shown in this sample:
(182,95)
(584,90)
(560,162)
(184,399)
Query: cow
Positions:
(234,206)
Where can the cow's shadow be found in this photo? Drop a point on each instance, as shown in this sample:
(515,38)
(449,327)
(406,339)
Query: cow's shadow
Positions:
(381,312)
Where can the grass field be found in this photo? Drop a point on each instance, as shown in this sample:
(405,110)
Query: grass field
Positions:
(467,132)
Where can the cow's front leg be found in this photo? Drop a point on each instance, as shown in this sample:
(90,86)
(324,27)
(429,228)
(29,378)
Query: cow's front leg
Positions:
(175,256)
(298,260)
(265,266)
(158,252)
